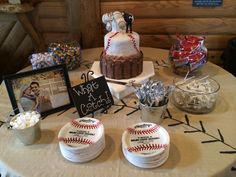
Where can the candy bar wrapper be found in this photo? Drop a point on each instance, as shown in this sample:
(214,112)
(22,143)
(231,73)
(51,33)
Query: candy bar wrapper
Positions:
(197,64)
(180,62)
(153,93)
(68,53)
(188,54)
(41,60)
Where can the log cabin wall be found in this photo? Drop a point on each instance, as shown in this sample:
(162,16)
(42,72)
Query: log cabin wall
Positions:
(157,22)
(15,44)
(51,20)
(66,20)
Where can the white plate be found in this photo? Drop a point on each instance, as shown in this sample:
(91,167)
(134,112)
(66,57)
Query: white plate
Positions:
(81,133)
(82,139)
(152,164)
(145,140)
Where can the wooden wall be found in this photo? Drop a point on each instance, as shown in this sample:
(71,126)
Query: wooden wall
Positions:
(157,22)
(63,20)
(15,44)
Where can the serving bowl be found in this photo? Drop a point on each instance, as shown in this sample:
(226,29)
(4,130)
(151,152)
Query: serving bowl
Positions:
(195,95)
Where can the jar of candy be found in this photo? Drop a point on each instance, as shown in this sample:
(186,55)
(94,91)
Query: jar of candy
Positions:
(68,53)
(188,55)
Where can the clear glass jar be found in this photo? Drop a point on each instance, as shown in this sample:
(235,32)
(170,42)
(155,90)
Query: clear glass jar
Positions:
(195,95)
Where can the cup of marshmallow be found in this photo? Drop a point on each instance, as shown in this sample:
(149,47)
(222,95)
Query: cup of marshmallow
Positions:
(26,126)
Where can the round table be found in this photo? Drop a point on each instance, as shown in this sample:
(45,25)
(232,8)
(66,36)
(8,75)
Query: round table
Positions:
(204,146)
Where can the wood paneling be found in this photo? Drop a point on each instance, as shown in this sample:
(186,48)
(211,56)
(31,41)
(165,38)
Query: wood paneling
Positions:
(52,10)
(14,38)
(158,22)
(15,46)
(212,42)
(169,9)
(5,28)
(85,22)
(186,26)
(54,25)
(21,54)
(56,37)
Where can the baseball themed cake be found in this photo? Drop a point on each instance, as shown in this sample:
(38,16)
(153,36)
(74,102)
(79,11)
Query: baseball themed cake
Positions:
(121,57)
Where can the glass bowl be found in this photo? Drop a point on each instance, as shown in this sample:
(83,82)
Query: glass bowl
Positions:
(195,95)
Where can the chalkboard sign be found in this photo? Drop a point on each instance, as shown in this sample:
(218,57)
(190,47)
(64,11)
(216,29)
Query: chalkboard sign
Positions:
(207,3)
(91,96)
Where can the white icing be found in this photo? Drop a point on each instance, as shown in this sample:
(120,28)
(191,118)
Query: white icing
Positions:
(121,44)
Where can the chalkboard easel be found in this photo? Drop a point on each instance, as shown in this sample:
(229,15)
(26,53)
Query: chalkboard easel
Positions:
(92,95)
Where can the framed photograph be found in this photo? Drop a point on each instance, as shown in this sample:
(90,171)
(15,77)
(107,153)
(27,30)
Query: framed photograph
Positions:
(44,90)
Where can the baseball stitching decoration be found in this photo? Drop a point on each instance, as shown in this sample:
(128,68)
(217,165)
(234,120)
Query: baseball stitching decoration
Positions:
(146,145)
(82,140)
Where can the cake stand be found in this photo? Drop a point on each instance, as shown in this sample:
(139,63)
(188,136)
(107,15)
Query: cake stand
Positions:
(119,89)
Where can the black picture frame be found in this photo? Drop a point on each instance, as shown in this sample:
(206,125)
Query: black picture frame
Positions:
(52,94)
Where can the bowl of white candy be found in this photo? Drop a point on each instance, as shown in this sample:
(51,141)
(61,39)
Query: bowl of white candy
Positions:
(195,95)
(26,126)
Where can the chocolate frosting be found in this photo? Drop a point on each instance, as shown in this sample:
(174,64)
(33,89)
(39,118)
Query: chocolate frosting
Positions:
(121,67)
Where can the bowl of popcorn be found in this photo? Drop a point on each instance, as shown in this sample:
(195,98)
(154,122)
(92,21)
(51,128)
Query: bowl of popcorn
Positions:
(195,95)
(26,126)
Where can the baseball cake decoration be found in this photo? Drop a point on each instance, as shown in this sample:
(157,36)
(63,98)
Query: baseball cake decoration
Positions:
(146,145)
(82,140)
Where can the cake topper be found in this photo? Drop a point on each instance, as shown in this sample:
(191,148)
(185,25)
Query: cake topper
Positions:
(129,18)
(107,20)
(114,21)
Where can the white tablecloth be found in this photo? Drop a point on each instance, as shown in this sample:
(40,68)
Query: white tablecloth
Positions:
(192,154)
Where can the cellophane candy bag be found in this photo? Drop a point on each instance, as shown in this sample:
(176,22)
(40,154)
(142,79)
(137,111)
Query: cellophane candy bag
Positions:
(188,54)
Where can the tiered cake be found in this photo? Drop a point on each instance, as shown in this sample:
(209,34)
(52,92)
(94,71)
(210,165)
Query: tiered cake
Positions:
(121,57)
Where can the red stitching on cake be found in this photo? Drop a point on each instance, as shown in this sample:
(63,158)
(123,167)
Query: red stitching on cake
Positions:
(144,147)
(140,132)
(76,140)
(76,124)
(133,41)
(109,41)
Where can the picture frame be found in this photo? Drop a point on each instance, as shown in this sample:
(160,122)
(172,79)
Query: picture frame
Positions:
(44,90)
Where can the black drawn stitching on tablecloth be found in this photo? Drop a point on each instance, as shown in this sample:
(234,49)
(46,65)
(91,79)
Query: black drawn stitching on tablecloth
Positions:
(1,123)
(233,169)
(202,130)
(126,106)
(228,152)
(43,117)
(62,112)
(214,139)
(86,63)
